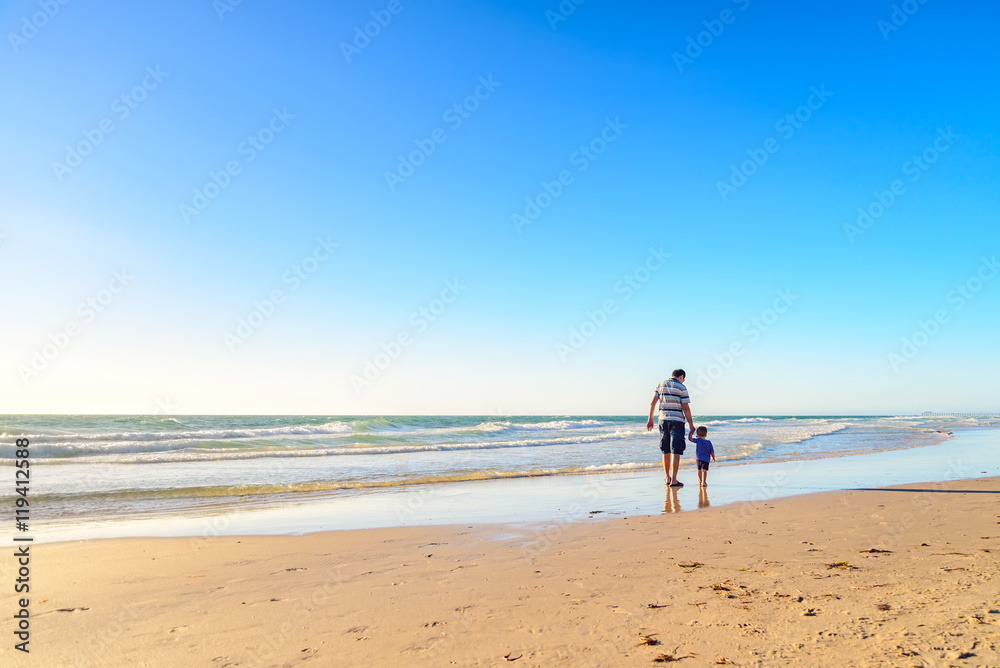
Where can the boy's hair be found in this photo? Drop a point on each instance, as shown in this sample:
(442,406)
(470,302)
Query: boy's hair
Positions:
(678,373)
(701,431)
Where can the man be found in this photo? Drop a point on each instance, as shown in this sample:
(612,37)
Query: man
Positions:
(675,406)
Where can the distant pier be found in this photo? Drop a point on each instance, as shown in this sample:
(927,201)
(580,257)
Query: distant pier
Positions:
(976,415)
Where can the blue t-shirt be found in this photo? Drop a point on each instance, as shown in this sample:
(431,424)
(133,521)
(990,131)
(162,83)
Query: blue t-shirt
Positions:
(705,450)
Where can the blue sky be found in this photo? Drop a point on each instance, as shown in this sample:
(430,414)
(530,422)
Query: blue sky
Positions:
(517,318)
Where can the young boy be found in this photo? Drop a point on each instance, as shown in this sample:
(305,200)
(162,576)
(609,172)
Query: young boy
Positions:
(705,451)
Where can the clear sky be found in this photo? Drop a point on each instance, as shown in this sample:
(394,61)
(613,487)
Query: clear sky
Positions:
(498,207)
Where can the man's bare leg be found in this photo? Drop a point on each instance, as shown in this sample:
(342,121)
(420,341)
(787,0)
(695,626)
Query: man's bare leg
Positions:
(666,467)
(676,465)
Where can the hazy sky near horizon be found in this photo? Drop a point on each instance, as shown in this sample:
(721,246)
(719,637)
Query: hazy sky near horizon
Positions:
(397,206)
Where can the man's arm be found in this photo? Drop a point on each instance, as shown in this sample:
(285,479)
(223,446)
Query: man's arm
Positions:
(687,414)
(652,407)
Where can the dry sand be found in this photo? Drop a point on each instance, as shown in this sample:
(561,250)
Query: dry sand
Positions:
(785,582)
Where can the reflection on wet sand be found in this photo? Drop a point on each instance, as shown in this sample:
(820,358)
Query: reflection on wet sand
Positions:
(672,504)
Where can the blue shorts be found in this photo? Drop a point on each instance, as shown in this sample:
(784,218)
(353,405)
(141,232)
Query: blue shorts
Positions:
(672,438)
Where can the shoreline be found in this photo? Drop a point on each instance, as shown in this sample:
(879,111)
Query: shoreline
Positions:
(632,467)
(563,498)
(903,575)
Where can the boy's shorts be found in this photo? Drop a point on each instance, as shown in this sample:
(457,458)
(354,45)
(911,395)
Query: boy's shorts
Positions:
(672,438)
(702,466)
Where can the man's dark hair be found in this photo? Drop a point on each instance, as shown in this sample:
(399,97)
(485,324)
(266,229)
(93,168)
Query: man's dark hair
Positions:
(678,373)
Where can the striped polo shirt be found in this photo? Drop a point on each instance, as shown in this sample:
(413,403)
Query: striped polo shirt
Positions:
(672,395)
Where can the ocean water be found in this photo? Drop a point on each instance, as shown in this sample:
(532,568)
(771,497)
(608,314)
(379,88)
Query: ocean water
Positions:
(106,467)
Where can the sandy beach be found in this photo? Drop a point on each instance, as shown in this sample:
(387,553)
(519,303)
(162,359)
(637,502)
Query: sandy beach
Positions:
(903,576)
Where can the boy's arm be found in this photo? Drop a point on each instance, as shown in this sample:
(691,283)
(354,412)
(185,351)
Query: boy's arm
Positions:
(712,450)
